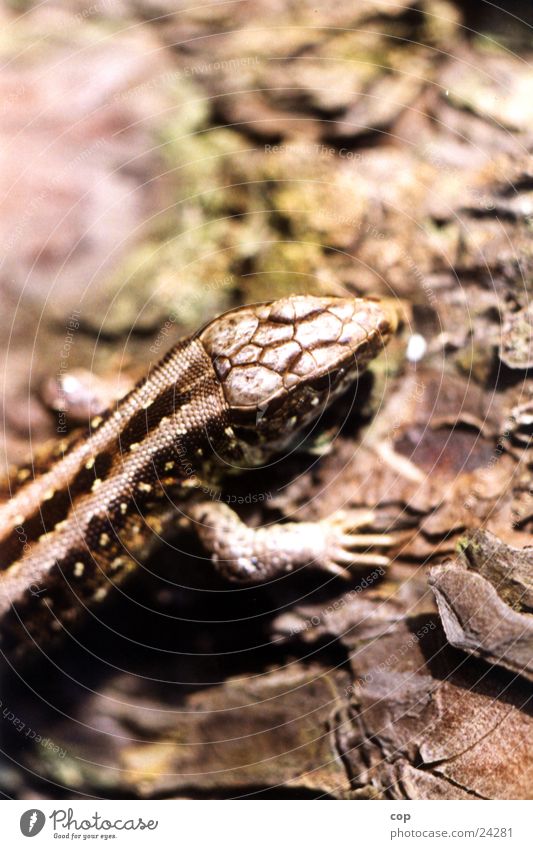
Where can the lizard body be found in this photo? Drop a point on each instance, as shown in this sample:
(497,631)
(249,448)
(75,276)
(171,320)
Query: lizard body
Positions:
(93,507)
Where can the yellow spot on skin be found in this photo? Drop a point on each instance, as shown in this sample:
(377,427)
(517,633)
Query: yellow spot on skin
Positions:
(42,537)
(18,519)
(97,482)
(96,421)
(169,465)
(61,525)
(134,446)
(100,594)
(229,431)
(117,562)
(199,452)
(146,404)
(79,569)
(90,463)
(49,494)
(123,508)
(145,487)
(23,474)
(104,540)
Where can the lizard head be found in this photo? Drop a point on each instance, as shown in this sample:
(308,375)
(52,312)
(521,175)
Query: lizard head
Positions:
(282,363)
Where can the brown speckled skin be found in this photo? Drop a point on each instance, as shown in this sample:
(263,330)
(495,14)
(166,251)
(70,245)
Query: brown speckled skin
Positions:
(82,518)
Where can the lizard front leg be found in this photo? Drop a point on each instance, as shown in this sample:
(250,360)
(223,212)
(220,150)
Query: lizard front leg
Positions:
(253,555)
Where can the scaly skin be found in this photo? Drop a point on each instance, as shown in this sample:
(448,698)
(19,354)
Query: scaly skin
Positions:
(230,397)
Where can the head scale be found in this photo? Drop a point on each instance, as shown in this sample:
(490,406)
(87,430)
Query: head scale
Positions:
(282,363)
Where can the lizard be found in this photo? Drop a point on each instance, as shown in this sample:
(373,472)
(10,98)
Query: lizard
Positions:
(87,512)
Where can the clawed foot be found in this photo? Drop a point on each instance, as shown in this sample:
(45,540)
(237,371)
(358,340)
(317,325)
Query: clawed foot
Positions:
(345,549)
